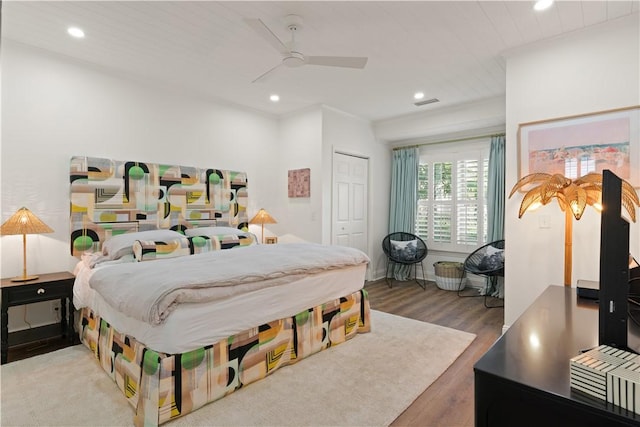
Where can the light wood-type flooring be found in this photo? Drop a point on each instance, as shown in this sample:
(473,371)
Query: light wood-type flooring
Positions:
(448,402)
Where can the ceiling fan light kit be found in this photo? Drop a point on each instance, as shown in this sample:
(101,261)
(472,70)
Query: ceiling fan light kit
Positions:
(291,56)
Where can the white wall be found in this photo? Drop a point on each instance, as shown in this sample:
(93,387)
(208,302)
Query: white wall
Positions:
(587,71)
(456,121)
(301,147)
(53,108)
(348,134)
(308,139)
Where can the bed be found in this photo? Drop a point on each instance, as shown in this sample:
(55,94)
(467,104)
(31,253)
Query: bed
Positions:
(179,303)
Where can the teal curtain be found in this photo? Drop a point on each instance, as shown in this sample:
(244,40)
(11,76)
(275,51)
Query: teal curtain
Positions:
(404,195)
(496,190)
(495,197)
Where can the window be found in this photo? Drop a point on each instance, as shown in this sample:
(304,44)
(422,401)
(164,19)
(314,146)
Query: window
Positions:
(452,194)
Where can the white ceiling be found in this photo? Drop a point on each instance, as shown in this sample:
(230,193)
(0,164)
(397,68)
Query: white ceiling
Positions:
(450,50)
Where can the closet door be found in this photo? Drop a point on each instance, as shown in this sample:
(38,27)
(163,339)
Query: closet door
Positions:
(350,201)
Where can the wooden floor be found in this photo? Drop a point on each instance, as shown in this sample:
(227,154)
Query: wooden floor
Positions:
(449,400)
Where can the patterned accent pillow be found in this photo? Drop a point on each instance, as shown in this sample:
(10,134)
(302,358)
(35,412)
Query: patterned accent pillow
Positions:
(229,237)
(405,250)
(148,250)
(493,259)
(118,246)
(228,241)
(202,244)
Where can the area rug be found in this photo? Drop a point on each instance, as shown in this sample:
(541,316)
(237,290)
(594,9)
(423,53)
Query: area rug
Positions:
(367,381)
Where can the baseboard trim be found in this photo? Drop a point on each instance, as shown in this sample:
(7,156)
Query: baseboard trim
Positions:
(472,282)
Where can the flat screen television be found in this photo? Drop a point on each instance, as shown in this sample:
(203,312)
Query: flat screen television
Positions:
(614,266)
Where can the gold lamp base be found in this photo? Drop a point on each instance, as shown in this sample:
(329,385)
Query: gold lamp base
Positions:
(24,278)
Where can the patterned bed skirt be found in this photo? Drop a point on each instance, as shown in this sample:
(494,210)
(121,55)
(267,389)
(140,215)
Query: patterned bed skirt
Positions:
(163,386)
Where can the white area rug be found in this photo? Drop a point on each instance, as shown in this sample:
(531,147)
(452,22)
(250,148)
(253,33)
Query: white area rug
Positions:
(367,381)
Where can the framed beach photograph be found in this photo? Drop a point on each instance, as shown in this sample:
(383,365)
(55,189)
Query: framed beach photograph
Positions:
(574,146)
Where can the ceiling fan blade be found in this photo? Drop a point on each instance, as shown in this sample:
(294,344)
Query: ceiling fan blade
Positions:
(264,32)
(337,61)
(263,76)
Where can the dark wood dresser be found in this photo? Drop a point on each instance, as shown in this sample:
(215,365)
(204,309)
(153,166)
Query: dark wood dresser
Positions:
(523,380)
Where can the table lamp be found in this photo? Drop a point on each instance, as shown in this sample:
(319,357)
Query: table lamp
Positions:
(24,222)
(262,218)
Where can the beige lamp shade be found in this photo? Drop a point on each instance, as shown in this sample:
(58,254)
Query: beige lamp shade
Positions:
(262,218)
(24,222)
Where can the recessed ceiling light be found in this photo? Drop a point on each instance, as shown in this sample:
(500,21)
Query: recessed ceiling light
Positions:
(274,98)
(543,4)
(418,95)
(75,32)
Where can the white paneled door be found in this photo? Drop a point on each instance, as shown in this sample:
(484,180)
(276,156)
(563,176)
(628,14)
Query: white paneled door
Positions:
(350,201)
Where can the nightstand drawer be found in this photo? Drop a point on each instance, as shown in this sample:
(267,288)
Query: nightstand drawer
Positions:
(28,294)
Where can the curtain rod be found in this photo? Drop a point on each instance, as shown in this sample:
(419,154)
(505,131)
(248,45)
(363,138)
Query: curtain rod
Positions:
(449,141)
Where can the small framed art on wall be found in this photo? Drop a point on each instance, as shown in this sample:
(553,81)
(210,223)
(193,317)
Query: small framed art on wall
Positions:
(300,182)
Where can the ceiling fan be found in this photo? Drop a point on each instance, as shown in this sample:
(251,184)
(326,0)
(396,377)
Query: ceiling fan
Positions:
(291,56)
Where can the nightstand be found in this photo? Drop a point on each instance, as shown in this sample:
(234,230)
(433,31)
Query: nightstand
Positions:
(47,287)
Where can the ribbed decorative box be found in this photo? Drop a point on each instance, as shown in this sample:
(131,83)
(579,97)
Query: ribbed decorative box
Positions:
(609,374)
(623,386)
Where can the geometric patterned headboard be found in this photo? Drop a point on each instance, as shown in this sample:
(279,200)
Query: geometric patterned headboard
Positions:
(111,197)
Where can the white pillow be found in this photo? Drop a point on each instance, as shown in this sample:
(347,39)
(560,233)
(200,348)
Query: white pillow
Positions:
(213,231)
(122,244)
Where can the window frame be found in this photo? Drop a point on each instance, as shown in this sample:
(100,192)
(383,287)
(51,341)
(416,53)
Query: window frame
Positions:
(476,149)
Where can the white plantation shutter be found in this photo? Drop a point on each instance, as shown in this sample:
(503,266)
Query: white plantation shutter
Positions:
(451,209)
(467,224)
(442,222)
(483,202)
(422,214)
(442,203)
(467,201)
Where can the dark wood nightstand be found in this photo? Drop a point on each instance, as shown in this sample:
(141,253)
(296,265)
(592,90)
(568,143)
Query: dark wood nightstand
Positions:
(47,287)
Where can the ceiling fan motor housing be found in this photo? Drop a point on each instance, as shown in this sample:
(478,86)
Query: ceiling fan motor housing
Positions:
(293,22)
(293,60)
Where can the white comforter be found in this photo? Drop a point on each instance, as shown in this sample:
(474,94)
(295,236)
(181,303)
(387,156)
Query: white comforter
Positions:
(149,291)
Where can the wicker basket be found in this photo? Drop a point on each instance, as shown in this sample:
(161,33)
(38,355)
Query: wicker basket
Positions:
(448,275)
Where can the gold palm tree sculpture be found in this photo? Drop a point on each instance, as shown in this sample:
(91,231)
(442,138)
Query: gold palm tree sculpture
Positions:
(573,196)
